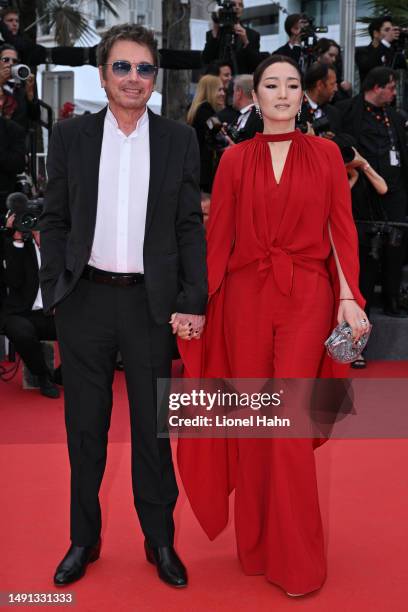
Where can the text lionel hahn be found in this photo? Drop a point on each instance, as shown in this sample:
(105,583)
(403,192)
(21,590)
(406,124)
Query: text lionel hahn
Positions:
(223,421)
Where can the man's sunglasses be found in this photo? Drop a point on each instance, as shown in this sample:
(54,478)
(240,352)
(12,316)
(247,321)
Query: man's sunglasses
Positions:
(9,60)
(122,68)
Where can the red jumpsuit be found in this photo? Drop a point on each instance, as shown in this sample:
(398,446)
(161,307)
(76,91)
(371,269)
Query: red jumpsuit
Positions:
(273,301)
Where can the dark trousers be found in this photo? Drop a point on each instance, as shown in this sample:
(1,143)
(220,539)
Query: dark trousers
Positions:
(26,330)
(93,323)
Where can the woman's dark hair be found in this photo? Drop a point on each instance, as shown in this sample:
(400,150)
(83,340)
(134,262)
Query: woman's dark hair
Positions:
(381,76)
(269,61)
(324,44)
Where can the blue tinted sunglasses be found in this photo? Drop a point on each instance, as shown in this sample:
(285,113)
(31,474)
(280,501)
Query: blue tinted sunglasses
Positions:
(122,68)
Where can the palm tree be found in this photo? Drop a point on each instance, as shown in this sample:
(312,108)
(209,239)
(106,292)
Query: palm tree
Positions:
(397,9)
(66,16)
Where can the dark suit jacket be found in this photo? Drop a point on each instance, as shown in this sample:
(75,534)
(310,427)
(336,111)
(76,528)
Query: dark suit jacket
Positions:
(351,112)
(253,125)
(330,111)
(174,244)
(247,58)
(287,51)
(12,157)
(370,57)
(21,277)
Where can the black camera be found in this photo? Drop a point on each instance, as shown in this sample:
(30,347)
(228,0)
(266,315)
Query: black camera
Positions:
(348,154)
(226,17)
(320,126)
(4,4)
(309,30)
(215,136)
(27,213)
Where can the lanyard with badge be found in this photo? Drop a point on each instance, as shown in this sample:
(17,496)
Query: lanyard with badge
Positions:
(394,152)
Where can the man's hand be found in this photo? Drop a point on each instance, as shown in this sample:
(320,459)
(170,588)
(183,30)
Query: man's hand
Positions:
(240,31)
(187,326)
(9,224)
(29,87)
(5,73)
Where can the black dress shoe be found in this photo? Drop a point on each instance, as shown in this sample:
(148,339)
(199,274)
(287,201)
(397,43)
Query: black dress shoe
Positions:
(48,387)
(392,309)
(169,567)
(73,565)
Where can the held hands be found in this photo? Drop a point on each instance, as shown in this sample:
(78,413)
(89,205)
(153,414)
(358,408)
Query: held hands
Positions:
(187,326)
(241,33)
(351,312)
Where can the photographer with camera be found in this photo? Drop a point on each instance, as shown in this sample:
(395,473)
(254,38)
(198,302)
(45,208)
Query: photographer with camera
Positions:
(22,318)
(318,117)
(294,28)
(17,89)
(386,47)
(381,139)
(248,121)
(229,40)
(208,100)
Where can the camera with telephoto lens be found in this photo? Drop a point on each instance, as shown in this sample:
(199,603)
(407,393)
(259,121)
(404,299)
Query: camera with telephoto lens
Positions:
(27,213)
(308,33)
(319,126)
(347,153)
(225,16)
(5,4)
(214,134)
(382,234)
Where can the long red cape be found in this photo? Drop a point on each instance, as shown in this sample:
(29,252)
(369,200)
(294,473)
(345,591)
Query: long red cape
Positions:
(319,191)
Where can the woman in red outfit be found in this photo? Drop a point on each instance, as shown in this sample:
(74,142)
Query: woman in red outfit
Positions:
(283,270)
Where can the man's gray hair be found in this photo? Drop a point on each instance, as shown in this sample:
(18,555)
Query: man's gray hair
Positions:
(245,82)
(126,31)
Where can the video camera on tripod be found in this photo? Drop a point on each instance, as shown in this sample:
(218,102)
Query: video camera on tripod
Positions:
(308,36)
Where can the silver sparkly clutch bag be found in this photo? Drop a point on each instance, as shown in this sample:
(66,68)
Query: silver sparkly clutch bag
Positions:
(340,345)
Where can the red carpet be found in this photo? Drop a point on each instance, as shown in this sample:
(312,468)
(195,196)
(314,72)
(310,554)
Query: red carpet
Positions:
(364,499)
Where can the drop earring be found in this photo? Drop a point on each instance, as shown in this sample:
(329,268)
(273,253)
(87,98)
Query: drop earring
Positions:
(258,111)
(299,114)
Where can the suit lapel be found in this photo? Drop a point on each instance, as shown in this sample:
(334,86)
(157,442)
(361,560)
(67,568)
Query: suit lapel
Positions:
(159,142)
(90,152)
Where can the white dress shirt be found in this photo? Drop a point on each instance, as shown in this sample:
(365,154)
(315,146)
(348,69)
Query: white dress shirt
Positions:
(123,188)
(243,117)
(38,303)
(317,110)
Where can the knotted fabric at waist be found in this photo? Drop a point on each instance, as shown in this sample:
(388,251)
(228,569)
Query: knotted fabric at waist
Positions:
(282,264)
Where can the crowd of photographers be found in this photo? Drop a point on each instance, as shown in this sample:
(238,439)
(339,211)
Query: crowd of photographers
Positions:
(370,132)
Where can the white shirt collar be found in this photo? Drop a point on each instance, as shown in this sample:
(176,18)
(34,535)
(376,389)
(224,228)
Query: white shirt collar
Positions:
(386,43)
(312,103)
(142,121)
(246,108)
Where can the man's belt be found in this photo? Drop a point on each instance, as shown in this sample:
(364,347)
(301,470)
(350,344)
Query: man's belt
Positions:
(112,278)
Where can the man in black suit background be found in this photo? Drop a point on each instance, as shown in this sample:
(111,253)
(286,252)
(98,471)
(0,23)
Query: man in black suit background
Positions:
(244,52)
(320,86)
(294,26)
(248,121)
(382,49)
(23,319)
(123,253)
(381,139)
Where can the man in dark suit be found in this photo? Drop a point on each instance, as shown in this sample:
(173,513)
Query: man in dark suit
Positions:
(23,319)
(12,161)
(381,51)
(294,25)
(381,140)
(123,253)
(243,54)
(248,121)
(320,87)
